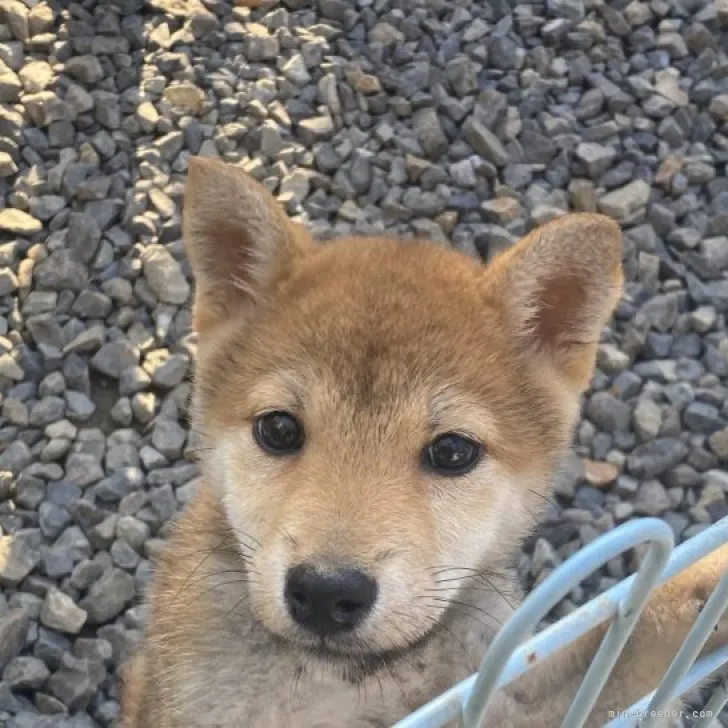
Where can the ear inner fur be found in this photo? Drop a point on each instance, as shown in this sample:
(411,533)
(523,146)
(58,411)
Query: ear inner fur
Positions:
(238,240)
(559,286)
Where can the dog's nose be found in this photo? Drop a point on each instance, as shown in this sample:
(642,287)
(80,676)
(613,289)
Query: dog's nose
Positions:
(329,602)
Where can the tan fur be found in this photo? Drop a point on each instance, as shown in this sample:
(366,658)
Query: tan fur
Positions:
(377,346)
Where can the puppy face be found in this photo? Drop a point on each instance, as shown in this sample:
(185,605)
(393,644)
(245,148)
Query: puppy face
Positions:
(384,416)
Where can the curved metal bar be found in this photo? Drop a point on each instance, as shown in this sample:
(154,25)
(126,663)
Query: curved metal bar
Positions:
(618,633)
(513,658)
(556,587)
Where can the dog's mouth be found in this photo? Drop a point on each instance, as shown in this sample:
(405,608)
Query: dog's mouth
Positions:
(357,659)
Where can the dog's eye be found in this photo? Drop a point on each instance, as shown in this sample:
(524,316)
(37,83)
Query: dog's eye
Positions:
(278,433)
(452,454)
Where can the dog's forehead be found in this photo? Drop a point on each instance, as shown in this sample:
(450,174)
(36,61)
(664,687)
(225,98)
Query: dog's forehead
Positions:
(386,290)
(384,331)
(378,312)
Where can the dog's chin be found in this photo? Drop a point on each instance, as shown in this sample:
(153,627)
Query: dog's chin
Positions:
(354,659)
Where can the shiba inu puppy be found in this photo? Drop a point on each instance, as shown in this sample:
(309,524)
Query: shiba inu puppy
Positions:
(382,419)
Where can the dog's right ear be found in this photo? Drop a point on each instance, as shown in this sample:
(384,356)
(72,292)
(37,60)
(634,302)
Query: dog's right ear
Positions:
(238,240)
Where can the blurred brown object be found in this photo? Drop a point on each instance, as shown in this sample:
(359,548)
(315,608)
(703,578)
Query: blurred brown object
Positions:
(248,3)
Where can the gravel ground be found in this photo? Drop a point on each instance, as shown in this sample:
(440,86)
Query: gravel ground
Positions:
(463,121)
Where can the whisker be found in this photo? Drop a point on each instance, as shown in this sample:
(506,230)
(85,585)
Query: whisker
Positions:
(237,604)
(434,623)
(466,578)
(298,674)
(482,570)
(194,571)
(483,584)
(229,582)
(244,574)
(544,497)
(455,604)
(471,587)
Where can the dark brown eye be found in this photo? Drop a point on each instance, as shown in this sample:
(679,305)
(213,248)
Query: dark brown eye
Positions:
(278,433)
(452,454)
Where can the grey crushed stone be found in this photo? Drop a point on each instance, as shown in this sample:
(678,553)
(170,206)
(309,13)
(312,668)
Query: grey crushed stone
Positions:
(466,122)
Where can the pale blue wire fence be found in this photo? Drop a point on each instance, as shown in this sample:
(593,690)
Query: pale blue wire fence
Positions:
(510,657)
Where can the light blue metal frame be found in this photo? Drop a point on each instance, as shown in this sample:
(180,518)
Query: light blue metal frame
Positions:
(510,657)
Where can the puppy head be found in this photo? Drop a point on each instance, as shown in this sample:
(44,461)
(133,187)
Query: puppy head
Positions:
(381,413)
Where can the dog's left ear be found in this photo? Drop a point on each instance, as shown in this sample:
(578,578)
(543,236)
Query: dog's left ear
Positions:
(558,288)
(239,242)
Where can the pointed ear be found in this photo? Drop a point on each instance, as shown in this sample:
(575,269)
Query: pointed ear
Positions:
(238,240)
(559,286)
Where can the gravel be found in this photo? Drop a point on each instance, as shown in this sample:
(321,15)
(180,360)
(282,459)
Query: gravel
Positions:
(465,122)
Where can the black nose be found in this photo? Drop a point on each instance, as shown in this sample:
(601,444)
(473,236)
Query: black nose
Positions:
(329,602)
